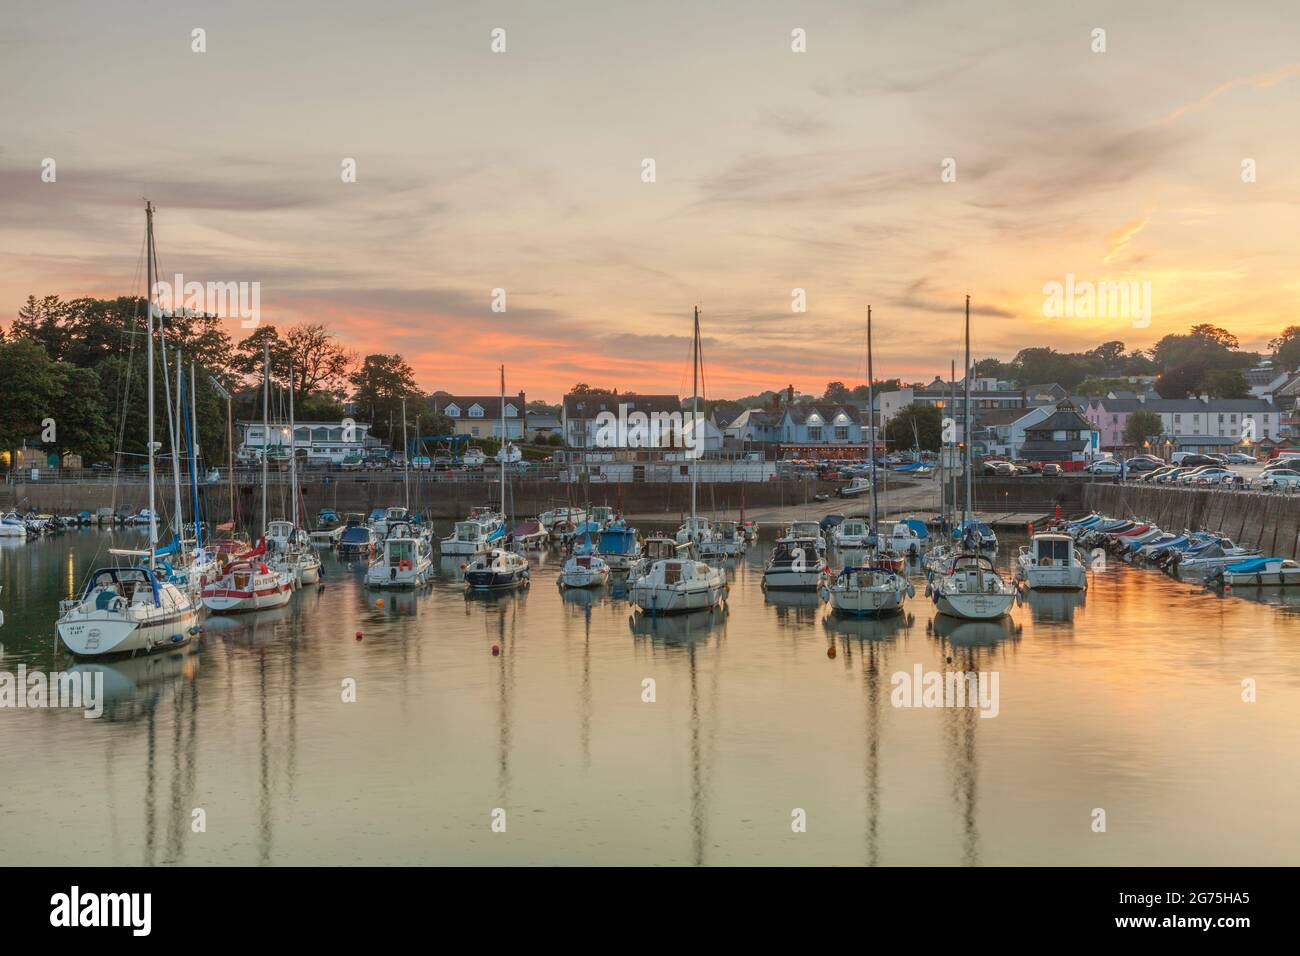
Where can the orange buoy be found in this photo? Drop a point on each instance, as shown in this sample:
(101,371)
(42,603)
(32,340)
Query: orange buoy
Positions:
(830,652)
(379,602)
(496,651)
(358,635)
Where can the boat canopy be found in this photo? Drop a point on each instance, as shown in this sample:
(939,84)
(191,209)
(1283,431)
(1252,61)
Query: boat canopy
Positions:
(617,541)
(113,577)
(1254,565)
(917,525)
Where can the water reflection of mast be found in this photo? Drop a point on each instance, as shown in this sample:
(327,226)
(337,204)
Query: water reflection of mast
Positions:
(264,790)
(699,808)
(505,674)
(960,725)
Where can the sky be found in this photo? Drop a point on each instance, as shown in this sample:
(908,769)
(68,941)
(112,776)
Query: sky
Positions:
(829,170)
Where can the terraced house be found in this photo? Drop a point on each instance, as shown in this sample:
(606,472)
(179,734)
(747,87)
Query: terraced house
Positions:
(479,416)
(1189,424)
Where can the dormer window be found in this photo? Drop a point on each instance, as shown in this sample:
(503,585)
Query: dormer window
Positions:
(452,411)
(476,411)
(511,412)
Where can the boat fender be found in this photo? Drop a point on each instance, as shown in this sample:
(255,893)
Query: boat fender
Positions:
(911,590)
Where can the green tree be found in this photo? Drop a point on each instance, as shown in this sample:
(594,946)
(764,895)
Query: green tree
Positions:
(835,392)
(1142,425)
(929,428)
(378,388)
(30,386)
(1226,383)
(1286,348)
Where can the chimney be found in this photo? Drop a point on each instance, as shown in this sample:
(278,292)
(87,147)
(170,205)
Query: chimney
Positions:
(789,394)
(1205,399)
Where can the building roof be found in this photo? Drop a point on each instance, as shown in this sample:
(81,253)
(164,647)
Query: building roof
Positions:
(591,404)
(1065,418)
(491,404)
(827,411)
(541,420)
(1179,405)
(993,417)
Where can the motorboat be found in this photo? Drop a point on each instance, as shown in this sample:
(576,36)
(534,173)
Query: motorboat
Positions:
(1260,572)
(655,549)
(126,610)
(558,518)
(679,584)
(356,539)
(976,535)
(391,516)
(530,534)
(749,528)
(586,570)
(12,525)
(907,536)
(853,534)
(619,547)
(855,487)
(1051,562)
(972,589)
(469,538)
(404,560)
(795,565)
(497,570)
(603,515)
(868,591)
(248,584)
(728,540)
(695,530)
(807,529)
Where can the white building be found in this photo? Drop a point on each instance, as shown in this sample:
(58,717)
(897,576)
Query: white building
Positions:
(321,442)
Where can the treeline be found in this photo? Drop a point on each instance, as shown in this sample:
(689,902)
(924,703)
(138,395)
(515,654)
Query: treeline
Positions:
(73,379)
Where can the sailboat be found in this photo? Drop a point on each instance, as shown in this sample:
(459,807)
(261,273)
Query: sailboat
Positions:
(875,587)
(132,609)
(247,582)
(500,569)
(969,586)
(294,554)
(682,583)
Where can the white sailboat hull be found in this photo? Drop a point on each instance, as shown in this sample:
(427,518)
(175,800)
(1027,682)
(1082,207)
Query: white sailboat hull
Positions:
(102,633)
(387,576)
(669,599)
(980,606)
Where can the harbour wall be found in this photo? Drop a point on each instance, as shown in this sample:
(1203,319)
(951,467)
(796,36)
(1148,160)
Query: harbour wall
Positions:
(1268,522)
(438,499)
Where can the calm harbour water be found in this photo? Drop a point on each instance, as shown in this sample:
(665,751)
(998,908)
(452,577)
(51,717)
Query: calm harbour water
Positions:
(1127,700)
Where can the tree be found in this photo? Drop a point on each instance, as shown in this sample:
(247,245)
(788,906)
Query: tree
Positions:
(1286,348)
(1141,426)
(1094,387)
(929,428)
(378,388)
(1226,383)
(1212,333)
(320,362)
(30,386)
(835,392)
(1182,380)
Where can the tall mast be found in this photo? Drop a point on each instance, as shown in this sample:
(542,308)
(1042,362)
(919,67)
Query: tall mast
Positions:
(967,431)
(952,403)
(503,442)
(695,405)
(194,455)
(266,422)
(293,455)
(871,418)
(406,458)
(153,506)
(174,426)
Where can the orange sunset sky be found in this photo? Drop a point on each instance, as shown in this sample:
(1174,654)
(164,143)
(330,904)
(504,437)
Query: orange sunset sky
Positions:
(775,170)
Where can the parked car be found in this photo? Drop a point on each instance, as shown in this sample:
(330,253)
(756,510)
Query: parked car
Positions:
(1052,470)
(1028,465)
(1291,464)
(1278,479)
(1238,458)
(1142,463)
(1103,466)
(351,463)
(1188,459)
(991,466)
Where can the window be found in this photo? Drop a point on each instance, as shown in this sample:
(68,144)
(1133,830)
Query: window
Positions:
(474,430)
(814,434)
(476,411)
(842,433)
(452,411)
(511,412)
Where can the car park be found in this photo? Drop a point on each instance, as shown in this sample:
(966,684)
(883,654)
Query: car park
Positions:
(1103,466)
(1279,479)
(1052,470)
